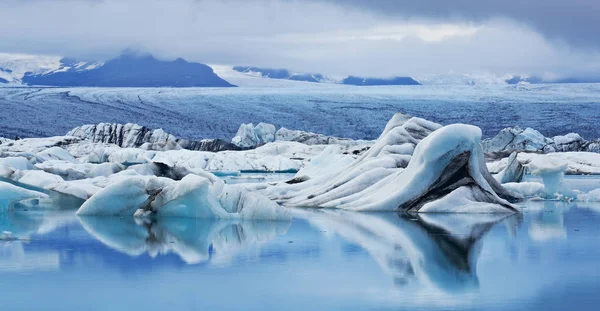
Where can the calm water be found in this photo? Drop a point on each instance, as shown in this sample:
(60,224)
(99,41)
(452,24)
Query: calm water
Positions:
(548,258)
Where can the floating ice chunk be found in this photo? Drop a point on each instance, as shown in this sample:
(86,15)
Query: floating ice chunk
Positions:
(391,152)
(123,198)
(579,163)
(249,135)
(526,189)
(552,172)
(55,153)
(10,193)
(193,196)
(448,160)
(592,196)
(513,172)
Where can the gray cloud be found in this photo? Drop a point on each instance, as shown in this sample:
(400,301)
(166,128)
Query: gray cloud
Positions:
(574,21)
(333,37)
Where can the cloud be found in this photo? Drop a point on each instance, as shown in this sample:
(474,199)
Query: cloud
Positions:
(376,38)
(572,21)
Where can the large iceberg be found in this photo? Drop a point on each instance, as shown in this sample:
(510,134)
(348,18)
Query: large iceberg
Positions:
(447,166)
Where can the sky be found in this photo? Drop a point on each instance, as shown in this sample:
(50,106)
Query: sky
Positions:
(548,38)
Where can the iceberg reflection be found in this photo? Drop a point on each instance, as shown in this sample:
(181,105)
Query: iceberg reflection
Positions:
(193,240)
(437,250)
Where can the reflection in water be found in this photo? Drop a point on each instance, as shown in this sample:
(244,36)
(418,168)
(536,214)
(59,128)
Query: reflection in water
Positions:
(193,240)
(437,250)
(548,221)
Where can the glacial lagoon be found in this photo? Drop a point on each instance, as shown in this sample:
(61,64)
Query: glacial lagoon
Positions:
(545,258)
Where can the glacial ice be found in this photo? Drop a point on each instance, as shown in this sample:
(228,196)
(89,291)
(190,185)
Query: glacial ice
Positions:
(513,172)
(446,160)
(515,138)
(10,194)
(552,172)
(132,135)
(193,196)
(415,165)
(578,163)
(250,136)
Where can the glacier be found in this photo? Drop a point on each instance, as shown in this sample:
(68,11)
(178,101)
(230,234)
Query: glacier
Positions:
(331,110)
(415,166)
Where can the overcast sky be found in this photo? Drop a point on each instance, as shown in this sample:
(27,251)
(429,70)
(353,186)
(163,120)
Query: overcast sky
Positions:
(336,37)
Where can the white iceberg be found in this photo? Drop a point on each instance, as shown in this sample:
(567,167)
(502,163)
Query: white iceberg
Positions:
(193,196)
(10,194)
(446,166)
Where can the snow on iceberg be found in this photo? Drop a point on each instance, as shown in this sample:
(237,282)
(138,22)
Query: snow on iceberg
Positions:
(391,151)
(193,196)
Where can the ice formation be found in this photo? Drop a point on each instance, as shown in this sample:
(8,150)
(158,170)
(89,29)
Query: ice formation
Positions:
(193,196)
(415,165)
(250,136)
(515,138)
(446,165)
(513,172)
(10,194)
(137,136)
(552,172)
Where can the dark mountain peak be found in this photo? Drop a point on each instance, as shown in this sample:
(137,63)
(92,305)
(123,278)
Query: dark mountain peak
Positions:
(132,69)
(362,81)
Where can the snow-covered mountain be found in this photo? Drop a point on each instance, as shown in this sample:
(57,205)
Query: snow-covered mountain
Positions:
(127,70)
(285,74)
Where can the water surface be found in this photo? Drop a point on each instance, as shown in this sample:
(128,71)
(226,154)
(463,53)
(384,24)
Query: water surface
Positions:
(544,259)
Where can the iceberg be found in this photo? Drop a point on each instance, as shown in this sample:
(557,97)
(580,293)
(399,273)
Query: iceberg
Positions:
(193,196)
(446,167)
(515,138)
(249,135)
(132,135)
(10,194)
